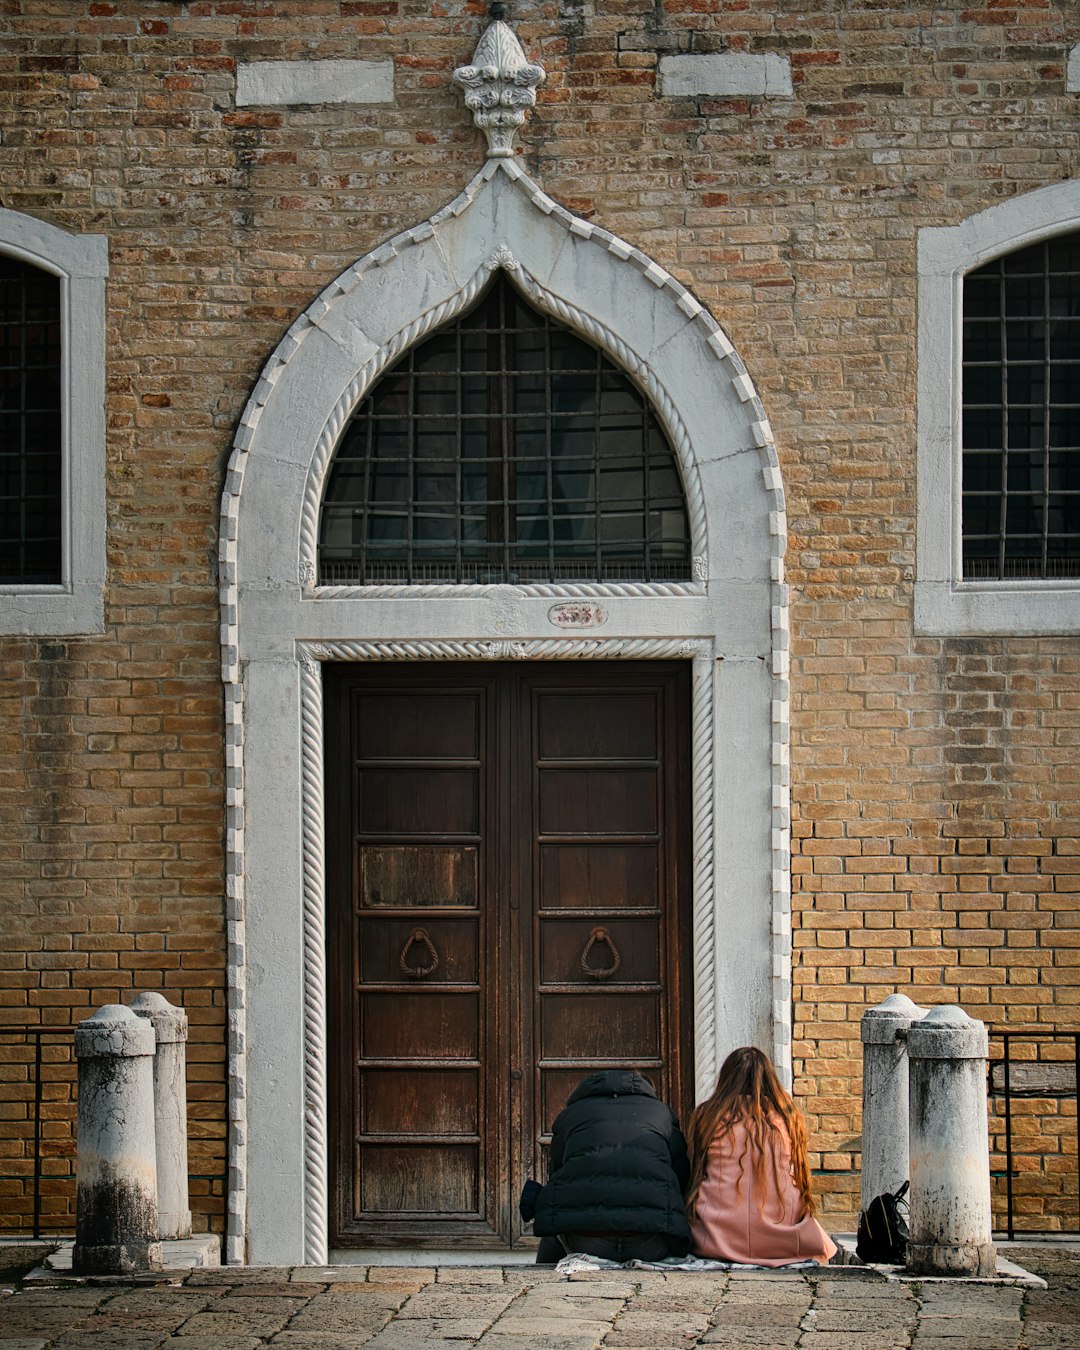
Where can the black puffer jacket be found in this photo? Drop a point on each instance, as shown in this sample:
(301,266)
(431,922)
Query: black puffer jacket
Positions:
(618,1163)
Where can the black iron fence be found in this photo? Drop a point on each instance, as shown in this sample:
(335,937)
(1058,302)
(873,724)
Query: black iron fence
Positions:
(1034,1078)
(38,1095)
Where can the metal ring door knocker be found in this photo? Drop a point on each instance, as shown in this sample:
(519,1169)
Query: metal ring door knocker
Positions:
(600,972)
(418,972)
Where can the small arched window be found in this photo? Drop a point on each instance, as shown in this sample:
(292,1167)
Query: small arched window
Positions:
(31,430)
(1021,414)
(504,448)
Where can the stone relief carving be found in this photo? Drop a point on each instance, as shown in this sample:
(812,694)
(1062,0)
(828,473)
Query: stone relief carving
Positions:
(502,257)
(499,85)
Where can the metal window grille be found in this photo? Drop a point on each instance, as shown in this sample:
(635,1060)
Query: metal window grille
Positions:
(504,449)
(30,425)
(1021,414)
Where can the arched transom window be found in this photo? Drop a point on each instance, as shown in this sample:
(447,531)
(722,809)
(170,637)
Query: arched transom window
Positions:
(503,449)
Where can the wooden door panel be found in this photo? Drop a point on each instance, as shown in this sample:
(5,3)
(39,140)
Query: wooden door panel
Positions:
(621,875)
(607,1026)
(446,1100)
(402,1025)
(581,951)
(601,725)
(609,768)
(508,870)
(598,801)
(436,951)
(397,1180)
(412,875)
(443,801)
(399,726)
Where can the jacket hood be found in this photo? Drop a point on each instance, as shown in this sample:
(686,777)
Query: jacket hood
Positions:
(612,1083)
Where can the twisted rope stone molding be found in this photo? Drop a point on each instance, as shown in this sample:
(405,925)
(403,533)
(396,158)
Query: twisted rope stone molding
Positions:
(313,808)
(781,831)
(236,935)
(540,649)
(703,762)
(406,337)
(599,590)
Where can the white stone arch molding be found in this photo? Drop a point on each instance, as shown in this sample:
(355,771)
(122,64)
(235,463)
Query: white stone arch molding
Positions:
(946,603)
(279,626)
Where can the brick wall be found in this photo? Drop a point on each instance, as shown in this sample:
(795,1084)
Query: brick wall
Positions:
(935,781)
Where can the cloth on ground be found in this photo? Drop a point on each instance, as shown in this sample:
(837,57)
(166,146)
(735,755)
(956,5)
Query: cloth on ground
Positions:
(577,1263)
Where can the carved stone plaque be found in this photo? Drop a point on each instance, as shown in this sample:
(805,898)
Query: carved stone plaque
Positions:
(577,614)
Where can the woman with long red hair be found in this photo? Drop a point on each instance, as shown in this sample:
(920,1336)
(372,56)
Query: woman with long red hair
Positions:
(749,1197)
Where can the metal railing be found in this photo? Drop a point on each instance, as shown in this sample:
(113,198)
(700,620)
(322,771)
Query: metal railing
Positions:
(1033,1077)
(38,1093)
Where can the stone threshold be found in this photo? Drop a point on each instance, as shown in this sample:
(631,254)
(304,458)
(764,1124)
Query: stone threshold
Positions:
(412,1257)
(1008,1272)
(178,1257)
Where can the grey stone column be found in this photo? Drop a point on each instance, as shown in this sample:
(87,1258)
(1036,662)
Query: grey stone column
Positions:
(950,1156)
(885,1165)
(116,1196)
(170,1111)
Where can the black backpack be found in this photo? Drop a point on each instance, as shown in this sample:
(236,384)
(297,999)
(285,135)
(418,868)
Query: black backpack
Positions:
(883,1230)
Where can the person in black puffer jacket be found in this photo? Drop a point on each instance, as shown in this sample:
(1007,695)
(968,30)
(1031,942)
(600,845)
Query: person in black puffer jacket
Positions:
(619,1170)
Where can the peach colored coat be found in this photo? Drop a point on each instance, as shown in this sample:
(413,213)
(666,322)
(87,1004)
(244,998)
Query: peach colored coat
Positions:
(734,1223)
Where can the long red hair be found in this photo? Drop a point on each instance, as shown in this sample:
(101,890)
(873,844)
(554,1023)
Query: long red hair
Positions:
(748,1093)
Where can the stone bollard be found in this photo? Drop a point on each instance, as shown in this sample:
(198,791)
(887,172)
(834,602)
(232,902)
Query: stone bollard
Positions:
(950,1155)
(885,1095)
(170,1112)
(116,1196)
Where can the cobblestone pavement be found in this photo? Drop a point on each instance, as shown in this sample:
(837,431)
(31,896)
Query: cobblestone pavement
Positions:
(525,1308)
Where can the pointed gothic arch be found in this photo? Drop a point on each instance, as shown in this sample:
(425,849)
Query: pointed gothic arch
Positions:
(279,624)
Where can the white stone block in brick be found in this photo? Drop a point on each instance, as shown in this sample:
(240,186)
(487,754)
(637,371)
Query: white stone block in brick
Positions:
(287,82)
(726,75)
(1072,78)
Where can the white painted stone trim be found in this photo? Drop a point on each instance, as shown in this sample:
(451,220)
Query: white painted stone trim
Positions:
(726,75)
(285,83)
(81,262)
(1072,77)
(275,625)
(946,604)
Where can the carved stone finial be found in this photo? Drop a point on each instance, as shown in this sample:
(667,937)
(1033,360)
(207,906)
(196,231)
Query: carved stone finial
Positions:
(499,85)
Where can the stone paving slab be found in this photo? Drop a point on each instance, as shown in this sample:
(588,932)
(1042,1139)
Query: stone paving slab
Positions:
(535,1308)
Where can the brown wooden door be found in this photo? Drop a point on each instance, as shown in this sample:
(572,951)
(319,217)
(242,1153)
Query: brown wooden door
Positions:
(508,909)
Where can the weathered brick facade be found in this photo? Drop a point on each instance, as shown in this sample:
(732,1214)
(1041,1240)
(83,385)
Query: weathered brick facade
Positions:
(935,780)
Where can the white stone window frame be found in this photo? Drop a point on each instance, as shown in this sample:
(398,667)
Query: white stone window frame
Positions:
(279,626)
(947,604)
(81,261)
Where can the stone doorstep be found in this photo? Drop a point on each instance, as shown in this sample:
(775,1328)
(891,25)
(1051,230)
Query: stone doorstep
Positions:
(178,1257)
(1008,1272)
(409,1257)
